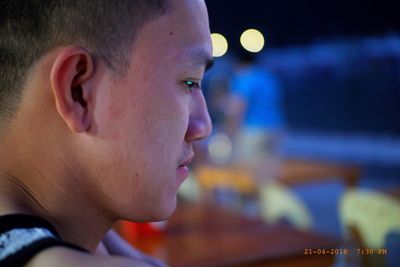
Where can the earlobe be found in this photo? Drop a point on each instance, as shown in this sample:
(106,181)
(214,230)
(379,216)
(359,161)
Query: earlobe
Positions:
(70,82)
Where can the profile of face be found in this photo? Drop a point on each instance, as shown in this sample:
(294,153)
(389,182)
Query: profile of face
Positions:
(145,122)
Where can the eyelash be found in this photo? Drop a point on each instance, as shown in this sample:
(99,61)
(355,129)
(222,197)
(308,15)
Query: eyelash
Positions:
(191,85)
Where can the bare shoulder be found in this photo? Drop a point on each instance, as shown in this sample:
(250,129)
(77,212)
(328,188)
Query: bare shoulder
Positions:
(65,257)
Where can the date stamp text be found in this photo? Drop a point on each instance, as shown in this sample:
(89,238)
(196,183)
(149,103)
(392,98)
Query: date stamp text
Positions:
(345,251)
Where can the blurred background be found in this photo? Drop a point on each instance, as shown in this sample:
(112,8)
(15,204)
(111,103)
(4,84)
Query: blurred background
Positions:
(305,102)
(304,97)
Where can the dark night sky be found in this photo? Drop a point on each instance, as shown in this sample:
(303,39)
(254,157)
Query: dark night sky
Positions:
(288,22)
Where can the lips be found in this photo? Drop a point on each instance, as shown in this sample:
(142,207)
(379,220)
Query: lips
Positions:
(182,172)
(187,161)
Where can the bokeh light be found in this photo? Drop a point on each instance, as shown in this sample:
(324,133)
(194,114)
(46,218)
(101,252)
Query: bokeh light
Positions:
(220,148)
(252,40)
(220,44)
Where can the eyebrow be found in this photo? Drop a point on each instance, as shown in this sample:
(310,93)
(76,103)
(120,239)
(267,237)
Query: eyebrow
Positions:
(198,58)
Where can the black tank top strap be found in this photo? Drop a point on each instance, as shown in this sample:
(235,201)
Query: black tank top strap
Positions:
(24,236)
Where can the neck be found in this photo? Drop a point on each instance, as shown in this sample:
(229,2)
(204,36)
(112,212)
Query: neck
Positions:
(29,186)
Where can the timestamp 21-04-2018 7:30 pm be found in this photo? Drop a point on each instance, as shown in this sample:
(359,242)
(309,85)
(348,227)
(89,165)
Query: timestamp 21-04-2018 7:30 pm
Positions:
(346,251)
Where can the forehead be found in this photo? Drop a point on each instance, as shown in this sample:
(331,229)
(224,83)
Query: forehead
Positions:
(181,34)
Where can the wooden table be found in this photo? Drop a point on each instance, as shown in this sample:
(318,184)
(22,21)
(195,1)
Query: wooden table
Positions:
(287,172)
(294,172)
(207,236)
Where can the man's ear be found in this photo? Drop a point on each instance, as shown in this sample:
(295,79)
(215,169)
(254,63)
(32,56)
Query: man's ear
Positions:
(70,82)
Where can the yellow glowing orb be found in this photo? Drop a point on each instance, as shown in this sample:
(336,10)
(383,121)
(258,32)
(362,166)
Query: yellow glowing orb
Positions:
(252,40)
(220,44)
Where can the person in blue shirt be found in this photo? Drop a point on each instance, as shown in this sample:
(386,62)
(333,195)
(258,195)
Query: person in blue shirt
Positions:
(256,109)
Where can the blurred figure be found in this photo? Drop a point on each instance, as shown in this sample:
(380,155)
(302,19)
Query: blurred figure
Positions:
(218,99)
(255,119)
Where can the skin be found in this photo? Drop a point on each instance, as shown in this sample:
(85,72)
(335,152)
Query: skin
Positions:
(89,147)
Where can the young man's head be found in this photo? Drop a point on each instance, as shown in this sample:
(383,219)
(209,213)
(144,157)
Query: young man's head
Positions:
(101,103)
(29,29)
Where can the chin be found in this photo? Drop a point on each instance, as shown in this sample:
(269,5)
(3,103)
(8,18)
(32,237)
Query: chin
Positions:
(165,211)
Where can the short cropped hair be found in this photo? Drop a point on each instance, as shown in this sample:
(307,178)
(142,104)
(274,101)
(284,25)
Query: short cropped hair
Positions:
(31,28)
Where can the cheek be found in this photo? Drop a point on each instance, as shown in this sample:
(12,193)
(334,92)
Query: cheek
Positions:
(149,120)
(167,114)
(164,134)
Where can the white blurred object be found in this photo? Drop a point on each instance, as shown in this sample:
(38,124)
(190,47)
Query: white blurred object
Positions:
(278,202)
(372,213)
(189,189)
(367,217)
(220,148)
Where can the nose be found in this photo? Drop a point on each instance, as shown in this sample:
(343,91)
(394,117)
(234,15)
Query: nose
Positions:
(199,126)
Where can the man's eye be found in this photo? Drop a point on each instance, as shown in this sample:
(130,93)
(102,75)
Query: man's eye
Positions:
(190,85)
